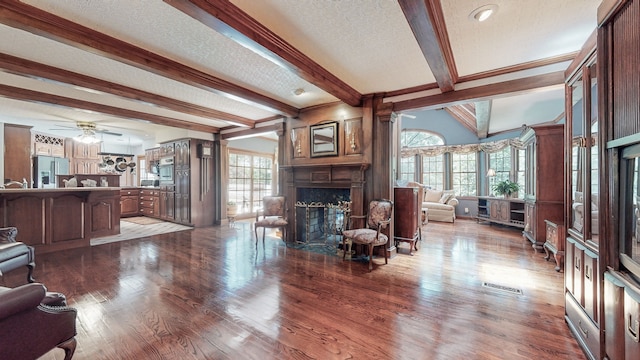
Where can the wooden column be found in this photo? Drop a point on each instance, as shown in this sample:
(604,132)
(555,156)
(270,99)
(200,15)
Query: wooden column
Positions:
(220,176)
(384,130)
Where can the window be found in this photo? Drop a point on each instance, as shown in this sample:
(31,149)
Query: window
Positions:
(250,179)
(408,168)
(521,174)
(463,170)
(433,171)
(500,162)
(419,138)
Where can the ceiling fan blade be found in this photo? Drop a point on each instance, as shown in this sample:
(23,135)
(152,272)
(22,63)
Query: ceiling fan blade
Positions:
(107,132)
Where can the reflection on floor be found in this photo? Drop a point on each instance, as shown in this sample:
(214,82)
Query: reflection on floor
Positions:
(129,230)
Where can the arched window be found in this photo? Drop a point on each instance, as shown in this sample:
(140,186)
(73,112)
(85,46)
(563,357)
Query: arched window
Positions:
(419,138)
(429,170)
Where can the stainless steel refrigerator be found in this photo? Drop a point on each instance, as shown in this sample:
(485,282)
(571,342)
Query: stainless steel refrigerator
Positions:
(45,169)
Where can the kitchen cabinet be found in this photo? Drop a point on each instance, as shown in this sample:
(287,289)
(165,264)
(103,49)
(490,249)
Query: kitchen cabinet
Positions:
(149,202)
(167,202)
(129,202)
(47,145)
(182,199)
(86,151)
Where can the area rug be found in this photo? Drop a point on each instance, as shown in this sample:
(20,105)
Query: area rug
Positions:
(142,220)
(130,230)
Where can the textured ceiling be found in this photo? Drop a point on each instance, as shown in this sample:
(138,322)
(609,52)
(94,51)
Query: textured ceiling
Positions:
(367,44)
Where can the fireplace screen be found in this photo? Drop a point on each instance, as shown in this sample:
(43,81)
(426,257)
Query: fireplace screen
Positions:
(321,215)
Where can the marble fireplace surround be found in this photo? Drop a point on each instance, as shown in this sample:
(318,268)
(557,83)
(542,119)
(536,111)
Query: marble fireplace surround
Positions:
(337,176)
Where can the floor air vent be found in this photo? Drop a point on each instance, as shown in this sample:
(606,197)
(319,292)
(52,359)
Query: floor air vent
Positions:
(502,288)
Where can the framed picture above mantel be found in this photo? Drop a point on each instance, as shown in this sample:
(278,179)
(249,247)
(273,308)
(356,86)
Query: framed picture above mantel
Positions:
(324,139)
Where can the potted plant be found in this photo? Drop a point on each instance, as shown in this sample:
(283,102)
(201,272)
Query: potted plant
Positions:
(232,209)
(506,188)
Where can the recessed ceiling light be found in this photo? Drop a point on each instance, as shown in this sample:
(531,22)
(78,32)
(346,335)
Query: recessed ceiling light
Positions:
(483,13)
(298,91)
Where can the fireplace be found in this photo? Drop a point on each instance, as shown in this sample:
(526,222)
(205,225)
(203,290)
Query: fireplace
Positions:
(320,214)
(318,189)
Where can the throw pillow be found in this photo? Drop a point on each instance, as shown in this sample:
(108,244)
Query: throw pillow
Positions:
(444,198)
(432,195)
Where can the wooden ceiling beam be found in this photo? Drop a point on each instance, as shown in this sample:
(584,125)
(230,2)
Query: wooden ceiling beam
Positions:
(16,93)
(483,118)
(40,71)
(486,92)
(227,19)
(465,115)
(426,20)
(29,18)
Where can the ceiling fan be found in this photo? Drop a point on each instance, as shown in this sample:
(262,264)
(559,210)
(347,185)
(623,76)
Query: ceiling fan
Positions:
(88,129)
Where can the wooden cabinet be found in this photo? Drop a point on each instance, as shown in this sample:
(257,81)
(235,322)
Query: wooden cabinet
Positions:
(182,199)
(182,152)
(48,145)
(17,154)
(406,214)
(554,244)
(501,211)
(86,151)
(104,214)
(149,202)
(85,158)
(544,194)
(583,272)
(167,203)
(582,294)
(129,202)
(167,149)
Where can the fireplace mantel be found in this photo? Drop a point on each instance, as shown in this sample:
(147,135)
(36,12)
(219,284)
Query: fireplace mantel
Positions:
(339,176)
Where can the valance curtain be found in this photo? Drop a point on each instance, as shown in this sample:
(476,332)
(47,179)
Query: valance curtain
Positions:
(489,147)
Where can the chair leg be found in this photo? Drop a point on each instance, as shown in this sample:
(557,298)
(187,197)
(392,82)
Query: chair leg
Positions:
(30,278)
(69,348)
(371,256)
(264,231)
(385,255)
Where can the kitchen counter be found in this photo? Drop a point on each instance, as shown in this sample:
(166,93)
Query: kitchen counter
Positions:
(61,218)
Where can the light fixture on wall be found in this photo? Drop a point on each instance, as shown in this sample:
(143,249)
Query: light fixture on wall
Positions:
(483,13)
(295,142)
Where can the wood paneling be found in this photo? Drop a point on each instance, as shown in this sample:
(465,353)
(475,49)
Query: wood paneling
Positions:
(59,219)
(17,153)
(625,75)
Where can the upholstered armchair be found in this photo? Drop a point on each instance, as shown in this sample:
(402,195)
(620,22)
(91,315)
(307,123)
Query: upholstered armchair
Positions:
(13,254)
(377,219)
(33,321)
(578,210)
(272,215)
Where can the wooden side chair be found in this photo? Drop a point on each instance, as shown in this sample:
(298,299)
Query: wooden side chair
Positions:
(377,218)
(272,215)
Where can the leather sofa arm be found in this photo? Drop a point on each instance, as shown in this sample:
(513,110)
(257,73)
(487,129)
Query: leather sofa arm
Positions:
(13,301)
(8,235)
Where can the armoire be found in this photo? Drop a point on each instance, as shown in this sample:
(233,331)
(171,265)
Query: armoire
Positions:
(602,186)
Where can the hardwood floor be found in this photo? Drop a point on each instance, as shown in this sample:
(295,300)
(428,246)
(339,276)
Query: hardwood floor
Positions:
(208,294)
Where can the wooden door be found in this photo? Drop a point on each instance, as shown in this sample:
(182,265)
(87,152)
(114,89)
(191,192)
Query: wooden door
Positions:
(17,154)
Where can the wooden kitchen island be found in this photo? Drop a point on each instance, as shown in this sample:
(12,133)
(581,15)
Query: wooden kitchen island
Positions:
(61,218)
